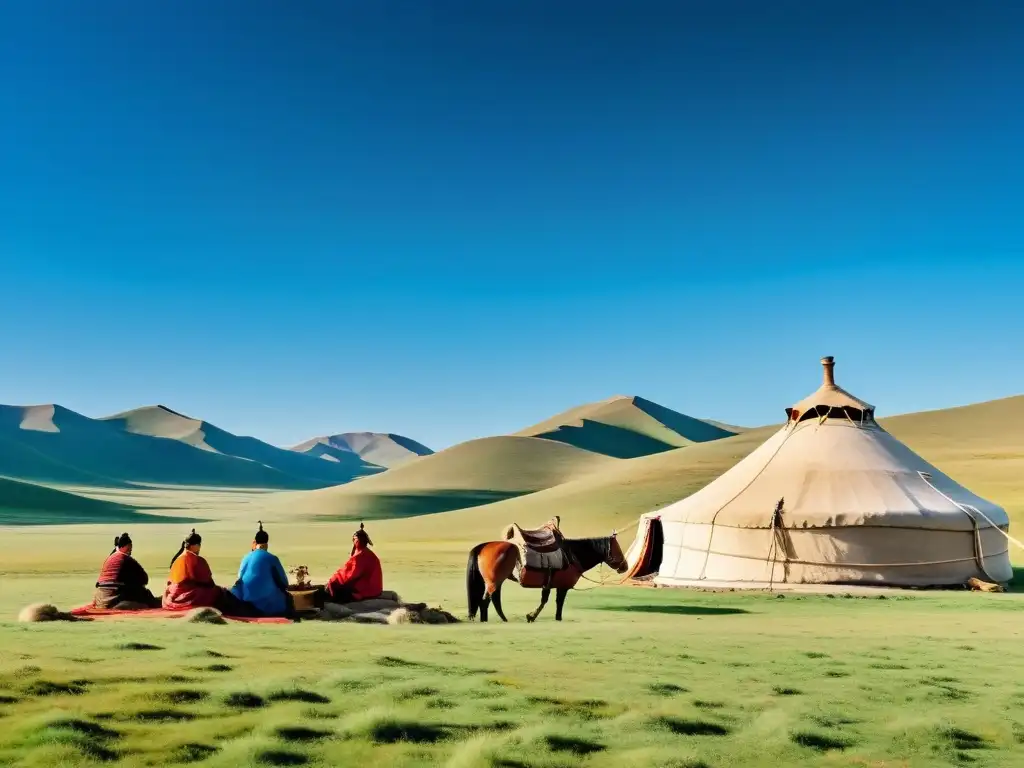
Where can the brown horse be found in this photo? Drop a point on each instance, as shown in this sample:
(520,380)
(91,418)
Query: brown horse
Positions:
(493,562)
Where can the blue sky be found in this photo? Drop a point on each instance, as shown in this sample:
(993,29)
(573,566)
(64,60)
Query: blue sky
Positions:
(454,219)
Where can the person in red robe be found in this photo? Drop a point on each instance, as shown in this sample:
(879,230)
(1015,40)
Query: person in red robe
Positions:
(360,578)
(190,583)
(122,583)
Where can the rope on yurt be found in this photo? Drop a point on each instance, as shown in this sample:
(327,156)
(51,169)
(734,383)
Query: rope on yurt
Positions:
(979,554)
(773,546)
(711,536)
(605,580)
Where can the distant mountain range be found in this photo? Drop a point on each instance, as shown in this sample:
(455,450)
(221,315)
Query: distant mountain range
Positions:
(598,466)
(156,445)
(383,450)
(394,475)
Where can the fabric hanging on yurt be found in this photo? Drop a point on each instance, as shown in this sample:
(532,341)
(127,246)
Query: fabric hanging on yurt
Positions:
(829,498)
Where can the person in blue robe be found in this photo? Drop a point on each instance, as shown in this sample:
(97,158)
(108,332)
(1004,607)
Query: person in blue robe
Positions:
(262,581)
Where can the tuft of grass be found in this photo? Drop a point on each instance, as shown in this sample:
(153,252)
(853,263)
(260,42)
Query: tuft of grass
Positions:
(219,668)
(138,647)
(422,692)
(666,689)
(833,721)
(183,696)
(584,709)
(397,661)
(89,739)
(192,753)
(48,688)
(702,704)
(783,691)
(962,740)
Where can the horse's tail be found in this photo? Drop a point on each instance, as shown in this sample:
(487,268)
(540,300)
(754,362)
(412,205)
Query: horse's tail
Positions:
(475,584)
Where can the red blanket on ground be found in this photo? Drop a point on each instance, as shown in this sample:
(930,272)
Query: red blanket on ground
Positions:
(92,612)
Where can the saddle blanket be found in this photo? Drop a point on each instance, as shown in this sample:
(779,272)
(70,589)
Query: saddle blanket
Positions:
(539,548)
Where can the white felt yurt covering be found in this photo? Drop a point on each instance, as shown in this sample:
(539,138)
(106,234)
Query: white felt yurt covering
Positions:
(829,498)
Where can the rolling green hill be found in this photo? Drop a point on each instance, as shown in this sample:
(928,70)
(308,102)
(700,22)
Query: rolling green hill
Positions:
(466,475)
(29,504)
(980,446)
(626,427)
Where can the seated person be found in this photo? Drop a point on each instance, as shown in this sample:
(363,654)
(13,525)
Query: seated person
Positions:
(358,579)
(122,583)
(190,583)
(262,582)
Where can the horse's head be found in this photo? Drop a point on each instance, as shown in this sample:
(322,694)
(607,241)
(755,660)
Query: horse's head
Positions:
(616,558)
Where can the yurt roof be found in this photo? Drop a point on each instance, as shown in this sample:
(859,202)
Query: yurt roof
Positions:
(835,472)
(830,395)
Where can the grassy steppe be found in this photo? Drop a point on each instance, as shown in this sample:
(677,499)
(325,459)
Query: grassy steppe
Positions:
(632,677)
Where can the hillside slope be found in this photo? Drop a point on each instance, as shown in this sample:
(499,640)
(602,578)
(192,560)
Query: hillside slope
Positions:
(159,421)
(980,446)
(383,449)
(626,427)
(469,474)
(52,444)
(28,504)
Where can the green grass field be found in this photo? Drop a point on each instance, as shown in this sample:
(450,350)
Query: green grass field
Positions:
(634,676)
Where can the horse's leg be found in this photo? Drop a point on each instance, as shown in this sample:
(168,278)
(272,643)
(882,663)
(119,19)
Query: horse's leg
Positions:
(559,602)
(484,605)
(496,599)
(544,595)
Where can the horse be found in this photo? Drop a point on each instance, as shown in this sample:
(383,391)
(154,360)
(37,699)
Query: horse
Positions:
(493,562)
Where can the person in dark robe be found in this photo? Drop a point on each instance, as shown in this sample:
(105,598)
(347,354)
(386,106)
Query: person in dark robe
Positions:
(123,582)
(190,583)
(262,581)
(360,578)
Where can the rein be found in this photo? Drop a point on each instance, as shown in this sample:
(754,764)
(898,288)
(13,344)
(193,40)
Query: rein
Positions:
(603,549)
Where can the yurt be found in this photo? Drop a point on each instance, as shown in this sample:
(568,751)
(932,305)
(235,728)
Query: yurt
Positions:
(831,498)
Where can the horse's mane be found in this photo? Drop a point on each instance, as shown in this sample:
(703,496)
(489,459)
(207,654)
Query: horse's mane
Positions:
(602,545)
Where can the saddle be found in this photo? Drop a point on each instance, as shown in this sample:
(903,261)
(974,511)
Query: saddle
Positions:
(539,548)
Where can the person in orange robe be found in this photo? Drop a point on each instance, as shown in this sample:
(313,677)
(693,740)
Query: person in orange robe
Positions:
(360,578)
(190,583)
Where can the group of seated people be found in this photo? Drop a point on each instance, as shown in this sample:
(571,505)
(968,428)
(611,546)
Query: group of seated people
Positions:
(261,589)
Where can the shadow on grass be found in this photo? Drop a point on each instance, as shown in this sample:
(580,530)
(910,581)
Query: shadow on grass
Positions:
(306,697)
(682,727)
(281,757)
(573,745)
(820,742)
(678,610)
(298,733)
